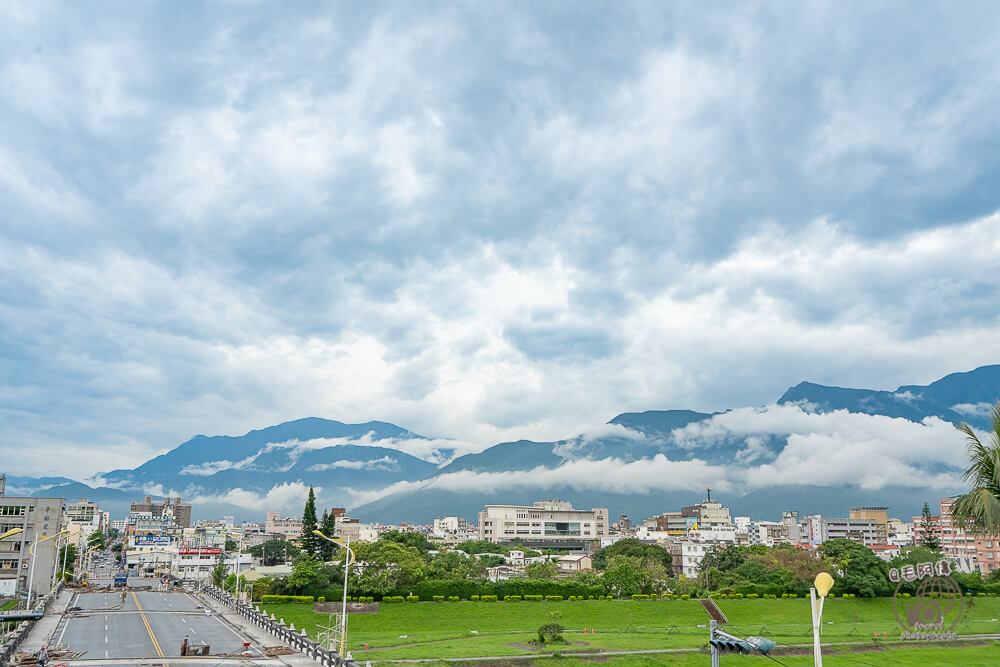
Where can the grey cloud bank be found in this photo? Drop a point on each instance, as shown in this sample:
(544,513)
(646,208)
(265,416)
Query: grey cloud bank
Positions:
(483,223)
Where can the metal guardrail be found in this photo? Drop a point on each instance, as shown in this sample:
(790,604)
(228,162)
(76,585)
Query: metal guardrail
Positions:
(296,640)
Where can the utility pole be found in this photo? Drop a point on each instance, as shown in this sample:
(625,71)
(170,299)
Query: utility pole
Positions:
(713,628)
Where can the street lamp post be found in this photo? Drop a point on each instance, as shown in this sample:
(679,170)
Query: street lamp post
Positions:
(55,565)
(34,554)
(239,569)
(348,559)
(822,585)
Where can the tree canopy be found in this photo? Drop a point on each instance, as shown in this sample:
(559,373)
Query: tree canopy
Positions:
(632,548)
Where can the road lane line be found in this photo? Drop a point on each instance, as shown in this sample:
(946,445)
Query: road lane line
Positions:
(142,615)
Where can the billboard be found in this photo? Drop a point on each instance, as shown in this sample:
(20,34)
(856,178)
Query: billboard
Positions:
(153,540)
(202,551)
(691,522)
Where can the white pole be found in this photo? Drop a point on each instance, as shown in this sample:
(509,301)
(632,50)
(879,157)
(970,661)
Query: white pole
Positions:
(343,617)
(817,614)
(55,566)
(31,574)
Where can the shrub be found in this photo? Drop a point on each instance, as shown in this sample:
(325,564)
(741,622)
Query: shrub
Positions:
(550,632)
(793,595)
(453,598)
(590,597)
(438,598)
(474,598)
(488,598)
(393,598)
(279,599)
(640,596)
(512,598)
(534,598)
(321,599)
(553,598)
(736,596)
(685,597)
(413,598)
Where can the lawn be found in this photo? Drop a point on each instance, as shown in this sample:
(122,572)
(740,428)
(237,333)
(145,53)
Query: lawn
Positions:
(445,629)
(9,604)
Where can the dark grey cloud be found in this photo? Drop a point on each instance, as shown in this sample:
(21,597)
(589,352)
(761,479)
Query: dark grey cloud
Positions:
(481,222)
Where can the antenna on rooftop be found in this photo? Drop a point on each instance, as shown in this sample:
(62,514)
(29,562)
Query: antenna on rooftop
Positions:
(709,492)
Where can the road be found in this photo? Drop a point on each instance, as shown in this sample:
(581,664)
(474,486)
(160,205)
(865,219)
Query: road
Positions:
(147,625)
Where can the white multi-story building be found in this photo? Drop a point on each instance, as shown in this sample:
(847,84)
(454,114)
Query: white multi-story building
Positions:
(900,533)
(290,527)
(692,553)
(451,525)
(544,523)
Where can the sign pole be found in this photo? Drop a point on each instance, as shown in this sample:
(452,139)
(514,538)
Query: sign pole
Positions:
(713,627)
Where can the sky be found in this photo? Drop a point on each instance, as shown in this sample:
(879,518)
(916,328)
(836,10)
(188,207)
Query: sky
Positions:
(481,221)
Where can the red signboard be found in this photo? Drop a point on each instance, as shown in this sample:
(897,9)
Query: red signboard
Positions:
(203,551)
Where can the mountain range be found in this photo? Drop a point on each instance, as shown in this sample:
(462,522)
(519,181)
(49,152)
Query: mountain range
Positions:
(817,449)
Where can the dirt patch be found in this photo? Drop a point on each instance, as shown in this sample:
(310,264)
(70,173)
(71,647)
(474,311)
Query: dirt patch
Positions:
(352,607)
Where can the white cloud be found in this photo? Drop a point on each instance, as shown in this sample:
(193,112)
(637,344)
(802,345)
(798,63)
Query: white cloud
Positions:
(279,496)
(384,463)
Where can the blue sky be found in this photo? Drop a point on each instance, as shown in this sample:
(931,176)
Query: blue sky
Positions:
(481,221)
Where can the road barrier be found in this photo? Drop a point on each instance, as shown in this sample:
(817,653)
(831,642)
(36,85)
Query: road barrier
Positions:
(296,640)
(20,633)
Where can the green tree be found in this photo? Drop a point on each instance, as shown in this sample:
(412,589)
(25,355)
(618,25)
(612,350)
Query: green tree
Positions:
(273,552)
(96,540)
(329,528)
(389,567)
(219,572)
(926,530)
(453,565)
(978,511)
(307,575)
(632,548)
(407,538)
(726,559)
(626,575)
(544,570)
(862,572)
(67,554)
(309,541)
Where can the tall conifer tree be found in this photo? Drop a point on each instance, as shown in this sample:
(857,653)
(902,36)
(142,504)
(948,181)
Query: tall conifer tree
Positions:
(329,528)
(310,543)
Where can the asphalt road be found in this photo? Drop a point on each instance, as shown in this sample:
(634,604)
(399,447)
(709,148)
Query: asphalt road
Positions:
(148,625)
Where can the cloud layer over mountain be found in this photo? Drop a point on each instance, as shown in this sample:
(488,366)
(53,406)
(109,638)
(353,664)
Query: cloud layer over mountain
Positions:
(486,222)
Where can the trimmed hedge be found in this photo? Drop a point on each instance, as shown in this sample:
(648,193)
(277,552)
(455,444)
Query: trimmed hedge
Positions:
(393,598)
(279,599)
(413,598)
(553,598)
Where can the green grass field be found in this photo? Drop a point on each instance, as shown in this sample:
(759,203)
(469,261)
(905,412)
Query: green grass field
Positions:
(9,604)
(444,630)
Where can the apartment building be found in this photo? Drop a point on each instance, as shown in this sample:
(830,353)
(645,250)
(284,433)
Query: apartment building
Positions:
(879,515)
(168,507)
(544,524)
(984,551)
(863,531)
(37,518)
(451,524)
(83,510)
(290,527)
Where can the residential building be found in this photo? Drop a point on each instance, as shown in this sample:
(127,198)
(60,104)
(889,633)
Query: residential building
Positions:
(450,525)
(168,507)
(83,510)
(575,563)
(900,533)
(863,531)
(879,515)
(37,518)
(984,551)
(119,525)
(195,562)
(886,551)
(708,512)
(692,553)
(290,527)
(544,524)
